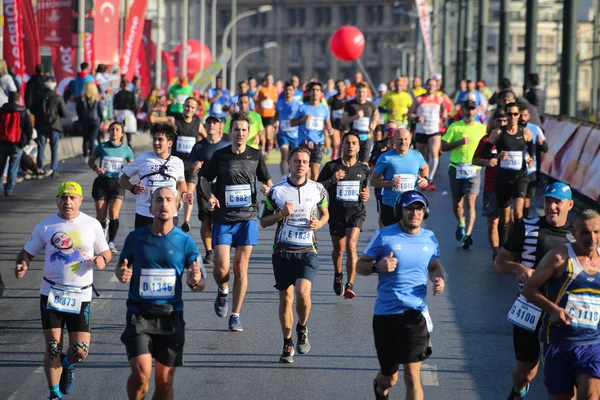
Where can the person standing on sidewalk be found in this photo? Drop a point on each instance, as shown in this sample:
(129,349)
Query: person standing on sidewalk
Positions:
(90,113)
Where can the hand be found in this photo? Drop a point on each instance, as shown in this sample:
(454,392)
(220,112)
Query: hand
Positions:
(560,316)
(307,118)
(364,194)
(219,94)
(198,165)
(387,264)
(171,120)
(422,119)
(372,125)
(99,262)
(360,114)
(265,189)
(138,189)
(466,140)
(539,139)
(288,209)
(214,203)
(438,286)
(530,162)
(314,223)
(397,181)
(21,269)
(339,175)
(123,273)
(188,197)
(504,155)
(194,277)
(524,274)
(423,182)
(100,171)
(493,162)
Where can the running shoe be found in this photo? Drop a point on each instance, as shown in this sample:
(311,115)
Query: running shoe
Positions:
(338,286)
(287,356)
(516,396)
(349,292)
(54,398)
(431,186)
(460,232)
(303,345)
(235,325)
(467,242)
(113,248)
(67,379)
(185,227)
(221,304)
(209,258)
(378,396)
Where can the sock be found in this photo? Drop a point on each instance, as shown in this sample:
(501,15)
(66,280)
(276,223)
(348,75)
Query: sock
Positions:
(208,252)
(113,228)
(65,362)
(521,393)
(226,291)
(433,165)
(236,314)
(462,223)
(300,327)
(55,391)
(288,341)
(104,225)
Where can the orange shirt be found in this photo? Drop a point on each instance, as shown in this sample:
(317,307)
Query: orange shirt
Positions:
(351,91)
(266,100)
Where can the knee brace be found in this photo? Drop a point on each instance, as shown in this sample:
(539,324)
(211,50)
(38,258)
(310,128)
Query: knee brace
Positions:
(54,349)
(83,346)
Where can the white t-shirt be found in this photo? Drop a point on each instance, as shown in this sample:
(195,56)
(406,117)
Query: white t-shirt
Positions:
(69,246)
(148,163)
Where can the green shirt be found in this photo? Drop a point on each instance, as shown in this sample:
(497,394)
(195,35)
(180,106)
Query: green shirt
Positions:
(457,131)
(256,126)
(178,95)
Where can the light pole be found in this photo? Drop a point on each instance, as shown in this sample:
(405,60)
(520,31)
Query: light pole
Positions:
(159,29)
(184,40)
(262,9)
(238,60)
(213,34)
(202,31)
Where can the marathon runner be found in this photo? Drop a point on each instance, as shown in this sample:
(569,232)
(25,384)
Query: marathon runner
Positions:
(397,171)
(313,119)
(539,139)
(461,141)
(236,169)
(403,255)
(257,130)
(364,117)
(155,169)
(569,333)
(106,191)
(153,261)
(380,147)
(218,99)
(287,135)
(177,95)
(299,208)
(417,88)
(397,102)
(74,243)
(232,104)
(346,182)
(337,103)
(265,99)
(200,156)
(530,241)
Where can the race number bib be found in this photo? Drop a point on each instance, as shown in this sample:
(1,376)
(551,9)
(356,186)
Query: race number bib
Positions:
(337,114)
(348,190)
(284,125)
(266,104)
(524,314)
(238,196)
(65,299)
(185,144)
(466,171)
(361,124)
(154,185)
(532,169)
(315,124)
(297,233)
(513,161)
(407,182)
(217,108)
(157,283)
(181,98)
(112,164)
(585,310)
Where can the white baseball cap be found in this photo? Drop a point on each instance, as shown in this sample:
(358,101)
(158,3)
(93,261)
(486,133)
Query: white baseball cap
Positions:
(382,87)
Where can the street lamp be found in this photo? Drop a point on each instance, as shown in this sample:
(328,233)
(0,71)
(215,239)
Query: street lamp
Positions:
(238,60)
(261,9)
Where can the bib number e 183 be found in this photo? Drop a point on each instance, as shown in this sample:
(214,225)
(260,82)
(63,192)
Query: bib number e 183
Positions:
(157,283)
(407,182)
(348,190)
(513,160)
(238,196)
(524,314)
(65,299)
(112,164)
(297,233)
(466,171)
(585,310)
(185,144)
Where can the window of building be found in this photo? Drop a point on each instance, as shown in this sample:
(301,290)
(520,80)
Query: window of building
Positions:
(492,73)
(514,16)
(301,17)
(224,18)
(327,16)
(297,48)
(322,16)
(374,15)
(291,17)
(517,75)
(348,15)
(583,78)
(374,45)
(492,42)
(520,41)
(379,15)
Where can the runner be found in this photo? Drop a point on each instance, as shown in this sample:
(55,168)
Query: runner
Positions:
(417,87)
(155,169)
(364,117)
(295,261)
(461,141)
(200,156)
(287,136)
(530,241)
(232,104)
(177,95)
(397,102)
(265,98)
(313,119)
(403,255)
(218,99)
(236,168)
(380,147)
(337,104)
(569,333)
(73,243)
(153,261)
(346,181)
(257,130)
(539,139)
(430,111)
(352,89)
(398,171)
(106,192)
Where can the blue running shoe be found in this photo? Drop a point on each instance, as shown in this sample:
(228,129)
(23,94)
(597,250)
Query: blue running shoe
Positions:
(235,325)
(221,304)
(460,232)
(67,379)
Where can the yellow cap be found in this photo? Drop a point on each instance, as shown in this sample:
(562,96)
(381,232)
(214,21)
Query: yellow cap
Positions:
(70,188)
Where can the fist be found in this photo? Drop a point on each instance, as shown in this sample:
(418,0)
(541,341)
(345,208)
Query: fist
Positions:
(100,171)
(466,140)
(307,118)
(438,286)
(198,165)
(265,189)
(123,273)
(397,181)
(493,162)
(387,264)
(339,175)
(288,209)
(364,194)
(314,223)
(138,189)
(360,113)
(423,183)
(188,198)
(99,262)
(214,203)
(20,270)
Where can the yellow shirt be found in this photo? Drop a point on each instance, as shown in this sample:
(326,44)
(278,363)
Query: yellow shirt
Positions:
(419,91)
(398,103)
(457,131)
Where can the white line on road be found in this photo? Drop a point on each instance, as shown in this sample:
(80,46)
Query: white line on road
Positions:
(429,375)
(15,395)
(40,370)
(114,279)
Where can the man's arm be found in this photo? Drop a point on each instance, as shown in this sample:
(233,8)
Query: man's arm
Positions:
(378,181)
(22,263)
(436,275)
(364,266)
(506,264)
(453,145)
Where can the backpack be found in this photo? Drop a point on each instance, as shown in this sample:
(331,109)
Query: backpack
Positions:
(10,127)
(49,112)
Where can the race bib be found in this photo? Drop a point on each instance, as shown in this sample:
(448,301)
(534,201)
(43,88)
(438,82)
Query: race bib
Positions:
(337,114)
(181,98)
(238,196)
(532,169)
(217,108)
(585,310)
(315,124)
(513,161)
(65,299)
(185,144)
(466,171)
(407,182)
(284,125)
(112,164)
(157,283)
(154,185)
(348,190)
(266,104)
(297,233)
(524,314)
(361,124)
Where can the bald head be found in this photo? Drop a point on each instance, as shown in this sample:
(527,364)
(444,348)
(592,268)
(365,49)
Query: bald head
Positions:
(402,138)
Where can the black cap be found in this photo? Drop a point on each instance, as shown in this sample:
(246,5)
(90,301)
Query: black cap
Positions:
(212,118)
(469,104)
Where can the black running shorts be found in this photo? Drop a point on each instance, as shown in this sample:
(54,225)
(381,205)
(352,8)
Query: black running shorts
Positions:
(506,190)
(289,267)
(52,319)
(347,218)
(527,344)
(105,188)
(387,215)
(316,151)
(364,152)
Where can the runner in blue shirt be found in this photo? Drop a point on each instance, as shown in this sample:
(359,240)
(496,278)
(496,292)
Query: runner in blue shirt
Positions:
(233,100)
(287,135)
(218,99)
(541,146)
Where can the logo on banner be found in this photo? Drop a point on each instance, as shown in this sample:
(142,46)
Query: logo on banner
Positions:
(129,44)
(53,17)
(107,6)
(11,14)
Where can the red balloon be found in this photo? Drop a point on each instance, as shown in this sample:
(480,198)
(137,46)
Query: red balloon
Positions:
(194,47)
(347,43)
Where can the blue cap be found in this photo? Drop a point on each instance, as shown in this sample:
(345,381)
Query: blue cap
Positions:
(50,78)
(559,190)
(412,197)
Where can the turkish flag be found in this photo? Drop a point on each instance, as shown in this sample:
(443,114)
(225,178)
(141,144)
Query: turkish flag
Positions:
(13,37)
(55,20)
(132,38)
(106,22)
(31,39)
(63,63)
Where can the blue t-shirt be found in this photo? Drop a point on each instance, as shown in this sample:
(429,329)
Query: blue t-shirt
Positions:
(298,95)
(158,263)
(216,107)
(313,129)
(330,94)
(535,132)
(113,158)
(286,112)
(390,164)
(233,100)
(405,288)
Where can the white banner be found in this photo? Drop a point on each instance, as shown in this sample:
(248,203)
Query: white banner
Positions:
(425,22)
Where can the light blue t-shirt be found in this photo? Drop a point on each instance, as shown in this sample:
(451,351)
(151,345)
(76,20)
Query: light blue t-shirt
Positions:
(313,129)
(216,107)
(158,264)
(298,95)
(390,164)
(113,158)
(233,100)
(405,288)
(535,132)
(286,112)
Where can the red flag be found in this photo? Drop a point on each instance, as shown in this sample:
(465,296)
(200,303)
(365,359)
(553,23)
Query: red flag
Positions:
(106,20)
(13,37)
(132,37)
(167,58)
(147,39)
(88,49)
(143,71)
(63,63)
(55,22)
(31,39)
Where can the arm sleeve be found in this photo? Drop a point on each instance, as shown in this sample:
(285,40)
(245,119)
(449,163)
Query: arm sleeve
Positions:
(36,242)
(514,243)
(375,247)
(530,148)
(262,171)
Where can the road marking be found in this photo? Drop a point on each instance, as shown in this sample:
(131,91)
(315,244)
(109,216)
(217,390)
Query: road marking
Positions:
(15,395)
(114,279)
(40,370)
(429,375)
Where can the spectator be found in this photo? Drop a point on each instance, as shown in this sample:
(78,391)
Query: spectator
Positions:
(535,93)
(82,78)
(28,165)
(90,115)
(48,111)
(35,86)
(103,77)
(125,109)
(15,133)
(13,74)
(137,90)
(7,84)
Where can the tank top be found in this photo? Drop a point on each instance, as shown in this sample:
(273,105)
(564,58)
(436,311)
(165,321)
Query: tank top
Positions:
(430,109)
(514,166)
(187,136)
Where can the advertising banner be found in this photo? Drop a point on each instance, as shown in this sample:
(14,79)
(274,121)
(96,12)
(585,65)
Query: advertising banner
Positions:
(106,21)
(55,21)
(132,38)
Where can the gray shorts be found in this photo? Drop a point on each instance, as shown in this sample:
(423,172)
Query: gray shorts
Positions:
(490,205)
(463,187)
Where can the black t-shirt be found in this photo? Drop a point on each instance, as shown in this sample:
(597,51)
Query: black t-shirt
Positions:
(515,144)
(235,187)
(204,150)
(343,193)
(187,130)
(368,109)
(337,107)
(533,238)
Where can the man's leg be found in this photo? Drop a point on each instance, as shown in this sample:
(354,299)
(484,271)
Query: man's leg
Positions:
(303,300)
(52,356)
(101,211)
(314,170)
(221,268)
(470,213)
(337,255)
(518,205)
(384,383)
(457,209)
(526,207)
(141,372)
(493,235)
(523,373)
(503,224)
(163,378)
(286,314)
(240,270)
(412,380)
(191,188)
(352,235)
(283,165)
(54,138)
(588,387)
(13,168)
(435,143)
(206,232)
(270,132)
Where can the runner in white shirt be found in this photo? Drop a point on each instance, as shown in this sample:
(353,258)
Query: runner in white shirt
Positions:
(73,243)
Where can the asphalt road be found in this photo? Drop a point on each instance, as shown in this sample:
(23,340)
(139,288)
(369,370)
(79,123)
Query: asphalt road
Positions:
(472,342)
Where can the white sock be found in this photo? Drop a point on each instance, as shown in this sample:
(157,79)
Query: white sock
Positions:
(433,165)
(234,314)
(226,291)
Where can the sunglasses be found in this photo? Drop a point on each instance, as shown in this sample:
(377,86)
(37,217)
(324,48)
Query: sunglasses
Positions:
(513,114)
